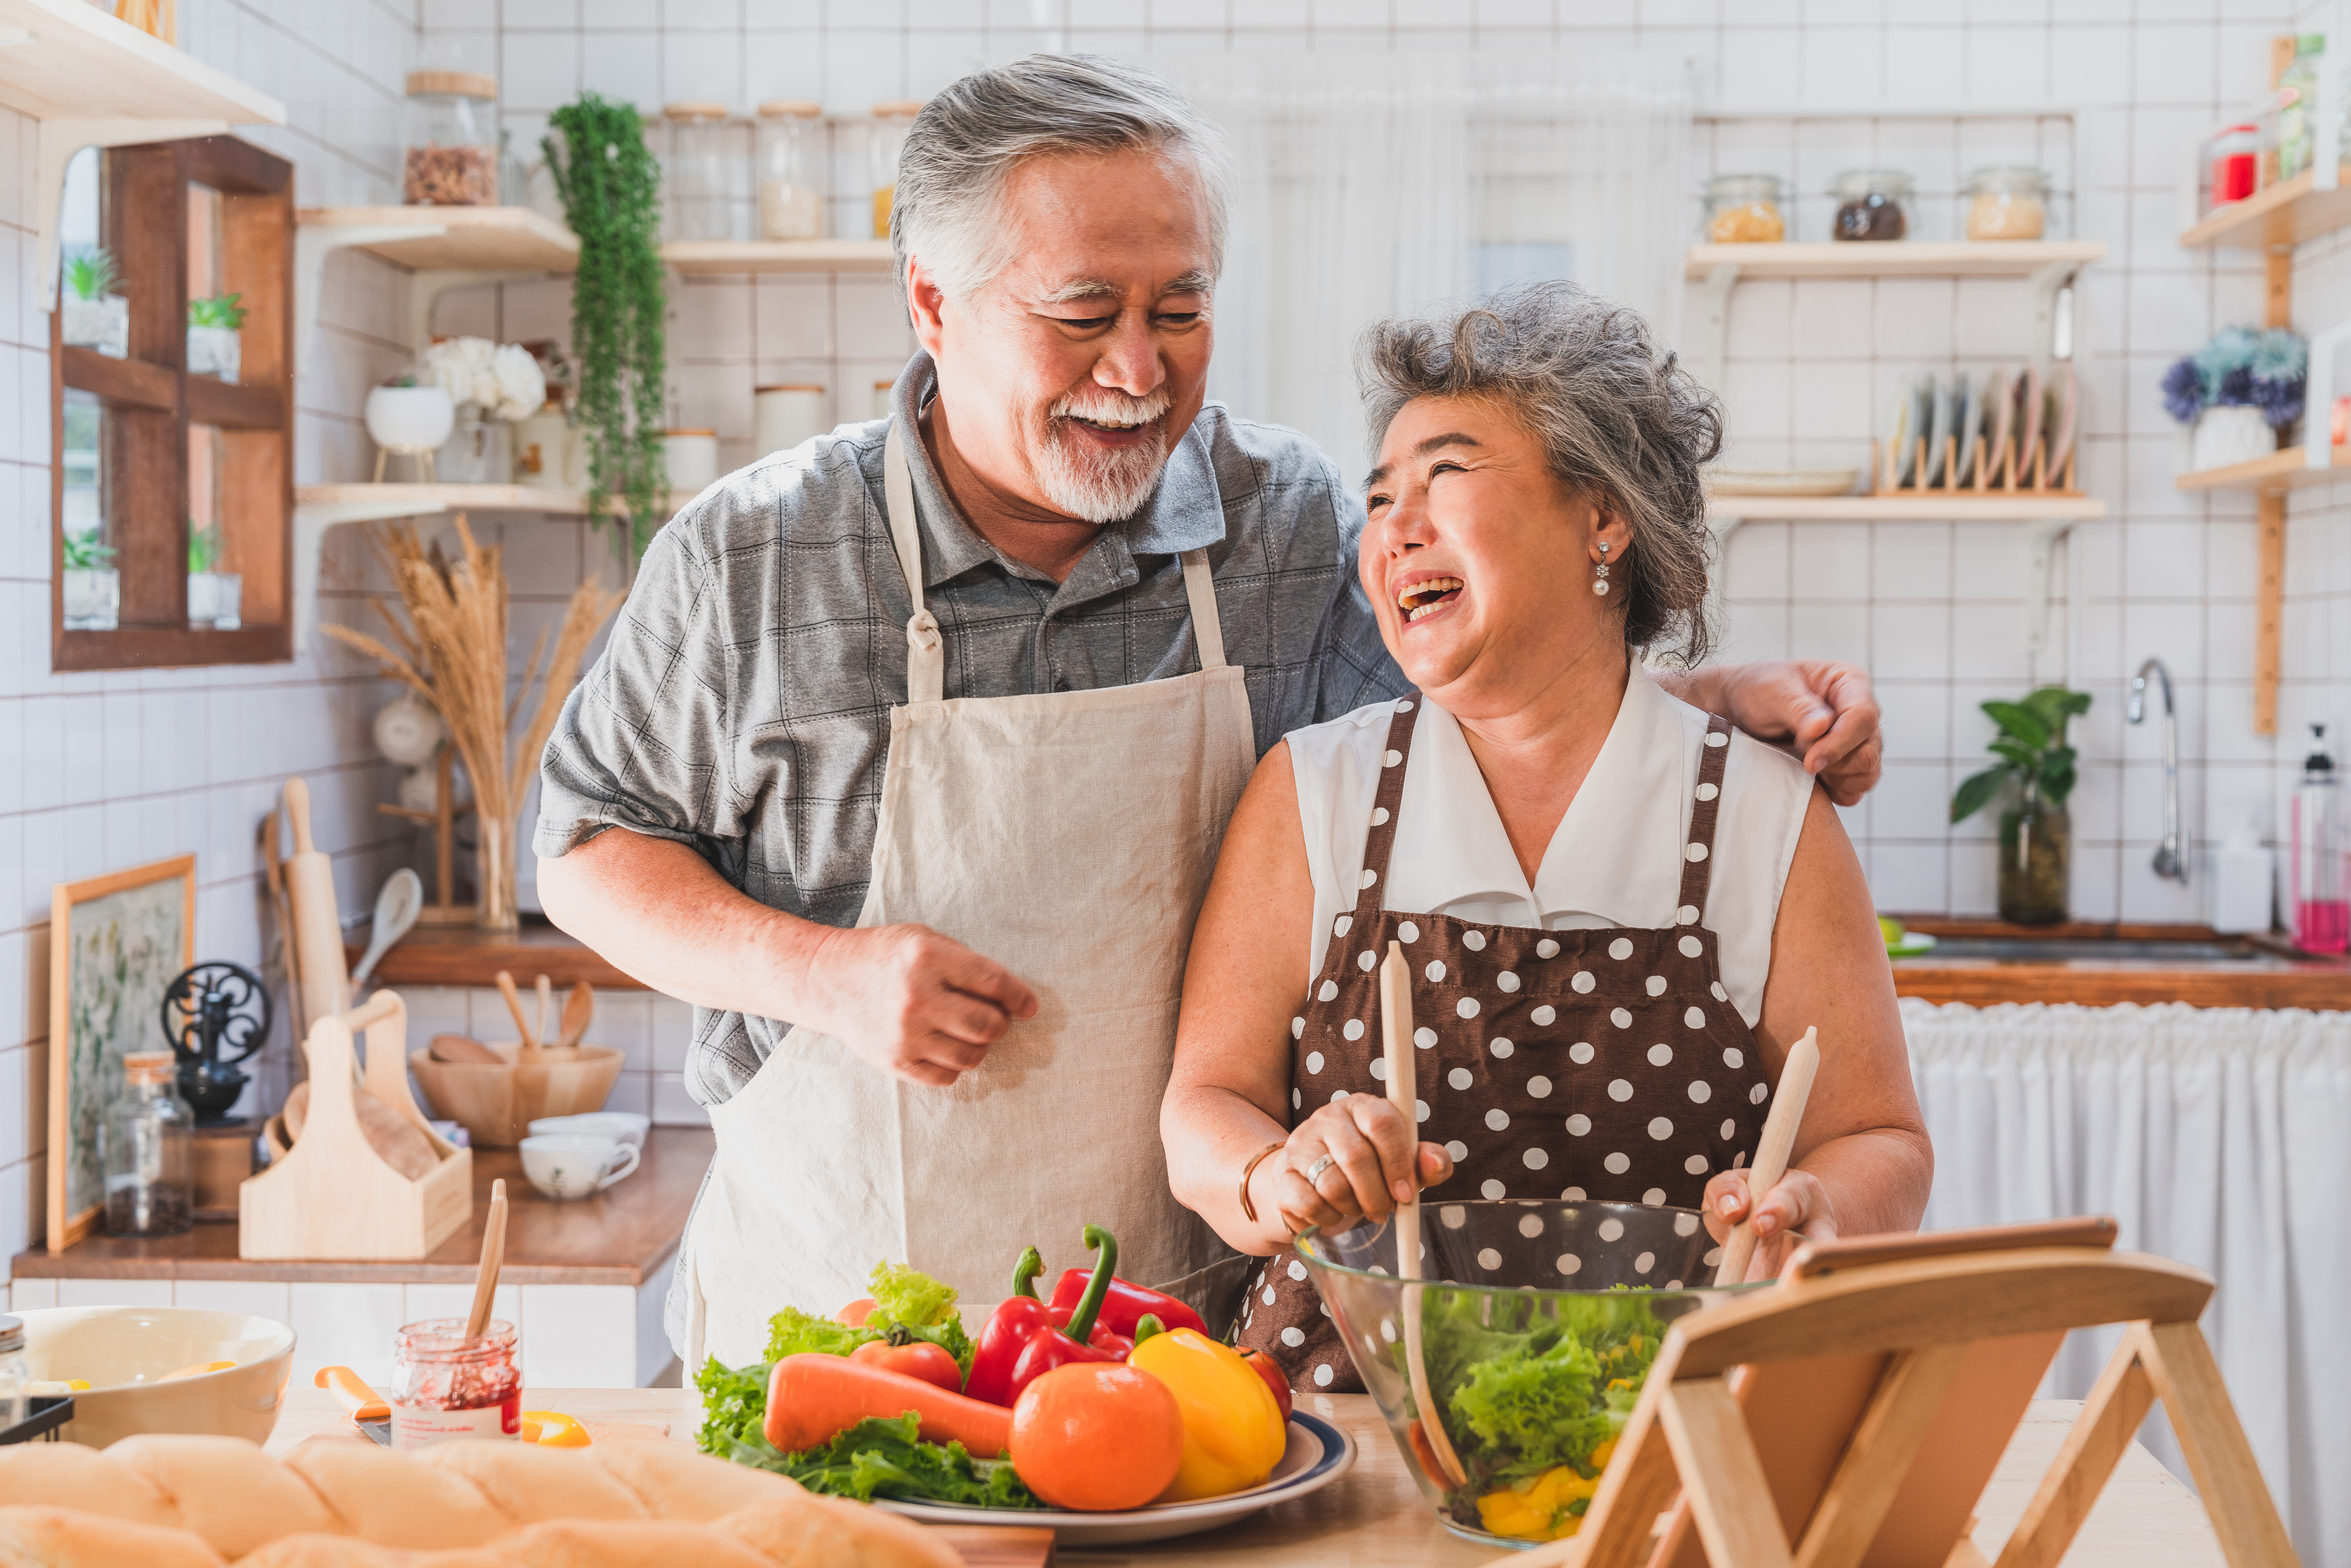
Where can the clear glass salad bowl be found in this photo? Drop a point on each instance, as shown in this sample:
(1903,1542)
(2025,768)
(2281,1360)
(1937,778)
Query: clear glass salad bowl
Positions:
(1537,1324)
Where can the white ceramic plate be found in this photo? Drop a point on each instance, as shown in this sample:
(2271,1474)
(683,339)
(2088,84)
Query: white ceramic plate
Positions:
(1899,432)
(1938,428)
(1318,1454)
(1781,481)
(1963,422)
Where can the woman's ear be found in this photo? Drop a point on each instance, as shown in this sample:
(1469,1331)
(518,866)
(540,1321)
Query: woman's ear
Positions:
(1610,529)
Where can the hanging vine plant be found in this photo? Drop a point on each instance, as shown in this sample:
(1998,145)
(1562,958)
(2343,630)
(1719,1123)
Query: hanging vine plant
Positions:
(611,187)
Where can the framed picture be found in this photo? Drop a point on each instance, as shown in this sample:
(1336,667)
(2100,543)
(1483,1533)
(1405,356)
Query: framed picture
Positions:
(115,942)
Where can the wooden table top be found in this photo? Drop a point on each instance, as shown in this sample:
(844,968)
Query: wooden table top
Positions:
(2277,977)
(621,1236)
(1374,1517)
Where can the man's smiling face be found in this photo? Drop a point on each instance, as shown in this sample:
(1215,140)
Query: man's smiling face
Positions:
(1070,376)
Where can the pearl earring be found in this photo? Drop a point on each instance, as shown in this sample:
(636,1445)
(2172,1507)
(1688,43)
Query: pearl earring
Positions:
(1600,572)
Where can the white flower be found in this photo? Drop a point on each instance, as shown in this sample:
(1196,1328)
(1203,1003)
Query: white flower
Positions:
(501,380)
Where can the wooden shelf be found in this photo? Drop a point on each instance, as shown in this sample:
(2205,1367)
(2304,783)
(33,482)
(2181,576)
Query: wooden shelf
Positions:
(418,500)
(2285,469)
(500,239)
(1906,509)
(467,956)
(704,257)
(67,60)
(1899,259)
(2288,214)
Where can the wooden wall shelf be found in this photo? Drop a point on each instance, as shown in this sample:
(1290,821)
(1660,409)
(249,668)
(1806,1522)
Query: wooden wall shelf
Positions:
(67,60)
(1899,259)
(495,239)
(424,500)
(1960,508)
(2286,469)
(2287,213)
(698,258)
(467,956)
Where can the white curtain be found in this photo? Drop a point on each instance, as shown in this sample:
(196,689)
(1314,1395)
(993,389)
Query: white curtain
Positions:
(1378,183)
(2219,1137)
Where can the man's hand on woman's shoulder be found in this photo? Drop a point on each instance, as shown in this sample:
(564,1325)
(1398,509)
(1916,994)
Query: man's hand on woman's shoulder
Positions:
(1823,709)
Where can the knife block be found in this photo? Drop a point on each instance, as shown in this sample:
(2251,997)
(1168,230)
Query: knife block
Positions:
(333,1197)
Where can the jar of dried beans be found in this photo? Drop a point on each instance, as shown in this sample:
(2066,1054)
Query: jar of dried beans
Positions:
(445,1386)
(1744,209)
(452,138)
(1871,205)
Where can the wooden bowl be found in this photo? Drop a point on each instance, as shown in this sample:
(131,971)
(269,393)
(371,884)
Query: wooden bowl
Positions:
(498,1104)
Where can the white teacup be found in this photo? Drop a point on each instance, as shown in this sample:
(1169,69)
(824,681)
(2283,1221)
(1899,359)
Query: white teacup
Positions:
(576,1164)
(628,1126)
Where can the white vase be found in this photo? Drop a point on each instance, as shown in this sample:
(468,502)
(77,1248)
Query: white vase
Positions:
(103,324)
(478,451)
(214,351)
(215,600)
(542,449)
(409,419)
(2226,436)
(93,597)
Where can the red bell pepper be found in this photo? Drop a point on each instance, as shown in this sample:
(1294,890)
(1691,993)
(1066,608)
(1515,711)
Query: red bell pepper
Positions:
(1264,1367)
(1127,1304)
(1009,1330)
(1063,1344)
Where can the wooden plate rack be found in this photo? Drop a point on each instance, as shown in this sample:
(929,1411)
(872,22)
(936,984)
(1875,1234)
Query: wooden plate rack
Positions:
(2006,475)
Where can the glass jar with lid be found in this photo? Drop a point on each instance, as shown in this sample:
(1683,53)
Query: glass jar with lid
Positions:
(2231,166)
(1871,205)
(451,137)
(1745,209)
(708,177)
(148,1142)
(891,120)
(2008,202)
(791,160)
(16,1377)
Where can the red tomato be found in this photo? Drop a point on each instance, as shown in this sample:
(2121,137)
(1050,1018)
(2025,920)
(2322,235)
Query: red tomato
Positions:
(1273,1374)
(919,1358)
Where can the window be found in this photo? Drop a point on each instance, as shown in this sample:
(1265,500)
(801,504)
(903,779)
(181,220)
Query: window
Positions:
(171,387)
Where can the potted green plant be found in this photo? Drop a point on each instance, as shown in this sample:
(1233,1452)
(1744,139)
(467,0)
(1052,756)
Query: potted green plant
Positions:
(93,589)
(215,598)
(92,315)
(213,342)
(2036,834)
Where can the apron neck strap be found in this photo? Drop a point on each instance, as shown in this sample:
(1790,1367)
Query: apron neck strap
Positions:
(1697,855)
(926,655)
(1200,588)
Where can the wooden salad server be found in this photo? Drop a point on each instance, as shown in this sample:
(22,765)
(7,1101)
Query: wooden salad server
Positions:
(1771,1154)
(1396,1034)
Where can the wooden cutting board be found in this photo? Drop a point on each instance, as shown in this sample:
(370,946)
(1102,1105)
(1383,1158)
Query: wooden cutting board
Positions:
(998,1545)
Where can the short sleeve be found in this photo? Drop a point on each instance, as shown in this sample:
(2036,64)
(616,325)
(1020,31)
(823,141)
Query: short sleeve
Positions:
(641,743)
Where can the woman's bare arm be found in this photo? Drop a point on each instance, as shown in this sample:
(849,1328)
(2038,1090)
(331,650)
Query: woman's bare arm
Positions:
(1862,1161)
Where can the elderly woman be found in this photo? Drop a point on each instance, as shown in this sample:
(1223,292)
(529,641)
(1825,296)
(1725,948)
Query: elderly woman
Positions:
(1618,911)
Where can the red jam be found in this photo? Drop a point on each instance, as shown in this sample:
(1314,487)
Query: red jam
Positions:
(446,1386)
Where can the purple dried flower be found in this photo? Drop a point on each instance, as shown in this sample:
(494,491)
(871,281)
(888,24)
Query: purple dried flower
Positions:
(2236,388)
(2280,402)
(2183,391)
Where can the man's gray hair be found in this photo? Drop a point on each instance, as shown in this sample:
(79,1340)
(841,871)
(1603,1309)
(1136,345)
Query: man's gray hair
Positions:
(1621,422)
(967,140)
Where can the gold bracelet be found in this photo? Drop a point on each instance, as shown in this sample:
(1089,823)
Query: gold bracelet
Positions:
(1251,1169)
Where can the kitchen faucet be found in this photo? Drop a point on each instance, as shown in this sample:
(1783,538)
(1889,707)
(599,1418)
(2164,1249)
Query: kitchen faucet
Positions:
(2166,853)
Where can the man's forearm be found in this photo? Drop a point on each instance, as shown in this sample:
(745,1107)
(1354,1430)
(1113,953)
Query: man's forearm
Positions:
(658,913)
(1709,689)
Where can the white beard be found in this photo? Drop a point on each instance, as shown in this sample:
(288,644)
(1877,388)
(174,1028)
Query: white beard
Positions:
(1103,487)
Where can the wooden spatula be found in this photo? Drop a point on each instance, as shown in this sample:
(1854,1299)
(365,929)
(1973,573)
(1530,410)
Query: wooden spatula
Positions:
(1396,1034)
(1772,1153)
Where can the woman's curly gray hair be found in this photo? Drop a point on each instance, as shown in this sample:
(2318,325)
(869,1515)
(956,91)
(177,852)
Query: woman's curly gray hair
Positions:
(1621,421)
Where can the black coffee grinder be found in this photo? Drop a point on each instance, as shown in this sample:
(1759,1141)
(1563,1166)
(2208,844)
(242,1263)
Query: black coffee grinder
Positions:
(214,1016)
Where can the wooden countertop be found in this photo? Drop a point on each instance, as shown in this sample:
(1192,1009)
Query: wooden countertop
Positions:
(621,1236)
(468,955)
(2277,977)
(1374,1517)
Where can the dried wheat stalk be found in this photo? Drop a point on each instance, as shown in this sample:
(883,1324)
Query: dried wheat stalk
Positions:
(452,653)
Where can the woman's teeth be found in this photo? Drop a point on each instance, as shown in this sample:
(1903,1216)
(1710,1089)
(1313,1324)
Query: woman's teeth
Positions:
(1425,595)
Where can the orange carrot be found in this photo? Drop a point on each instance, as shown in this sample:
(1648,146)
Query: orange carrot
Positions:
(813,1398)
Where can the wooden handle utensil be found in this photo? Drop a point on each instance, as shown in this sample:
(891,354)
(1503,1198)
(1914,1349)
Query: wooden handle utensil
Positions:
(546,988)
(493,1257)
(1771,1154)
(578,1009)
(317,927)
(523,1030)
(1395,1035)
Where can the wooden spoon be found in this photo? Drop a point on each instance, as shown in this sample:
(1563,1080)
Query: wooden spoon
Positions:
(493,1257)
(464,1049)
(578,1008)
(1772,1153)
(546,988)
(523,1030)
(1395,1035)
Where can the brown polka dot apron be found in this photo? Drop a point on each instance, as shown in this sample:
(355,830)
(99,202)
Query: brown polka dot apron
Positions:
(1602,1063)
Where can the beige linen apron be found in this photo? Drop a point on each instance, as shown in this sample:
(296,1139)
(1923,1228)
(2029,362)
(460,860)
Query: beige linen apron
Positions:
(1069,836)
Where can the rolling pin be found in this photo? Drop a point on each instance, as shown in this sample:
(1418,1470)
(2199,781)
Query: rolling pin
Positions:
(317,927)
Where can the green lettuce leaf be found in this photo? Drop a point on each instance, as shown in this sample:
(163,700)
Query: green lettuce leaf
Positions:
(793,1332)
(886,1458)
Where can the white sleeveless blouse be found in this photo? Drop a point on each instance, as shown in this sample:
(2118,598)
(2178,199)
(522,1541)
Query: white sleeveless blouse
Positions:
(1615,858)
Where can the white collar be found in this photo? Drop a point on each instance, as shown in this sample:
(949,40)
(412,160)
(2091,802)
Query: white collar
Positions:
(1617,855)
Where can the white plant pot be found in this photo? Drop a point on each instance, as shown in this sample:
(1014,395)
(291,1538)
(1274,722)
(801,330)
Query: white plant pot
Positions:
(103,324)
(214,351)
(93,598)
(542,449)
(215,600)
(410,419)
(2225,436)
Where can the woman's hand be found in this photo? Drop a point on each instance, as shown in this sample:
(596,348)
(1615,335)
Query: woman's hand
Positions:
(1372,1154)
(1800,1203)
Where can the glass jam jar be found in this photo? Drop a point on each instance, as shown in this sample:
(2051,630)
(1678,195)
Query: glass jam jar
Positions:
(451,134)
(445,1386)
(1871,205)
(891,120)
(2008,203)
(1744,209)
(790,156)
(708,178)
(149,1142)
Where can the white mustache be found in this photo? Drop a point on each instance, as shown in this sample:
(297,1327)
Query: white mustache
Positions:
(1104,407)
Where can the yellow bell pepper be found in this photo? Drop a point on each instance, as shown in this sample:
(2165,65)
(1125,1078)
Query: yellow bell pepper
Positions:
(1233,1430)
(1541,1508)
(553,1429)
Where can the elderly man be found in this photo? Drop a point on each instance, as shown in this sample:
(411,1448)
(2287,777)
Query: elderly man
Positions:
(1068,604)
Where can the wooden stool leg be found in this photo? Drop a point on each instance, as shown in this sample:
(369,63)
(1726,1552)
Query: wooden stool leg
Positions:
(2188,1380)
(1722,1476)
(2100,1438)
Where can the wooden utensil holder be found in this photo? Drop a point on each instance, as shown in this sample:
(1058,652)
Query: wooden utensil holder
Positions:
(331,1197)
(2006,475)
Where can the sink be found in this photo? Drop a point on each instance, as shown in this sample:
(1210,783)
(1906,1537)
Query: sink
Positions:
(2066,949)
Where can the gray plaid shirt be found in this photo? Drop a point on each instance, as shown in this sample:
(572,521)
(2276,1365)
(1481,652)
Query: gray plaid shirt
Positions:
(742,704)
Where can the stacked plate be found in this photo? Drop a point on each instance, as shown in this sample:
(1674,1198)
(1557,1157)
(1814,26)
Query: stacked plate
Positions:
(2016,412)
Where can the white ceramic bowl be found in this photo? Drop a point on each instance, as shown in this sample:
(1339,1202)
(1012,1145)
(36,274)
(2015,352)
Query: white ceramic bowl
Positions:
(626,1126)
(576,1164)
(125,1352)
